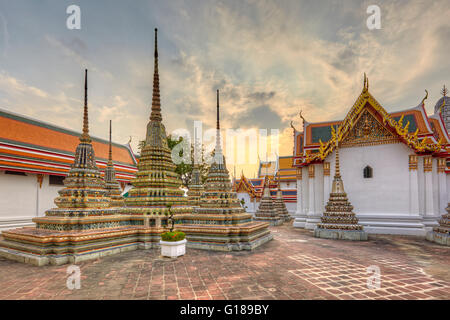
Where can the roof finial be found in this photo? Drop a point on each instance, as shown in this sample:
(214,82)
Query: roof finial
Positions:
(444,91)
(366,83)
(426,96)
(156,102)
(85,135)
(304,120)
(110,141)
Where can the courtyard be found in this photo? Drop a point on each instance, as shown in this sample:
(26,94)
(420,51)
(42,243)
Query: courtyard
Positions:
(294,265)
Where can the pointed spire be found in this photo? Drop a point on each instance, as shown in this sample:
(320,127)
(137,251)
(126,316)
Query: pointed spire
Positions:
(218,150)
(218,119)
(337,170)
(156,102)
(444,91)
(85,135)
(110,142)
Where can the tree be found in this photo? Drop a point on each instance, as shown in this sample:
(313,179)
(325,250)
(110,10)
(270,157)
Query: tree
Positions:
(184,169)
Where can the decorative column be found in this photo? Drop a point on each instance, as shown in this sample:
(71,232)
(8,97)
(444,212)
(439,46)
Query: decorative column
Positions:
(310,219)
(302,200)
(326,182)
(443,194)
(429,203)
(311,177)
(413,185)
(299,192)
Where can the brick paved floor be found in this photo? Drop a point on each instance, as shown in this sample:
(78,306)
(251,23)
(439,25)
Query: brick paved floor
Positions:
(294,265)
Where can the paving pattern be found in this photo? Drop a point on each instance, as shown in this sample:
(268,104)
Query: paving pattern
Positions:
(294,265)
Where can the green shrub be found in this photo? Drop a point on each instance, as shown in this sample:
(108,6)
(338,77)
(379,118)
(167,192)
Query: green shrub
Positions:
(173,236)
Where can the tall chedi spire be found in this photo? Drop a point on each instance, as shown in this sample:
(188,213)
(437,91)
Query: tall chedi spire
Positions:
(86,224)
(338,220)
(156,187)
(279,204)
(220,223)
(111,184)
(84,190)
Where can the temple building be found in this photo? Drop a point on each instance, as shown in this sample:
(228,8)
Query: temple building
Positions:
(34,159)
(156,188)
(394,165)
(251,190)
(220,222)
(83,226)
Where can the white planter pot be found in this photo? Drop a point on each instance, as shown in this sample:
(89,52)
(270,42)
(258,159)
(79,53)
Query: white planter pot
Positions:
(173,249)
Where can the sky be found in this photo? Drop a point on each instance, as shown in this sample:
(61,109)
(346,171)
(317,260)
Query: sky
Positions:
(269,59)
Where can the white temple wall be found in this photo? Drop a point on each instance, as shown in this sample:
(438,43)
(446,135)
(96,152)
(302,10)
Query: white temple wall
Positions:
(18,200)
(387,192)
(248,202)
(22,199)
(291,207)
(47,195)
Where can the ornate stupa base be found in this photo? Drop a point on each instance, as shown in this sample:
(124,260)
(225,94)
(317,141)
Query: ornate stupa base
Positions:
(272,221)
(227,238)
(42,247)
(340,234)
(438,237)
(441,234)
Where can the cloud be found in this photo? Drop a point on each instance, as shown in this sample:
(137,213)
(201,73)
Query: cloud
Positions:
(269,59)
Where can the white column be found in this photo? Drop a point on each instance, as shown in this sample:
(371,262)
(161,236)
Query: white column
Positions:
(302,201)
(413,185)
(299,192)
(311,178)
(443,194)
(326,182)
(311,218)
(428,174)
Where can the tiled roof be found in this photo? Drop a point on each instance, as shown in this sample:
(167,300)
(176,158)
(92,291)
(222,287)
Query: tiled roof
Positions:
(33,146)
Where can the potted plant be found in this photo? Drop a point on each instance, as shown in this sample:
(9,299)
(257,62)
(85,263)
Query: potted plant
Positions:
(173,243)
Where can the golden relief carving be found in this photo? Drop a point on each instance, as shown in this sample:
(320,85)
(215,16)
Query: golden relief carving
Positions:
(299,174)
(427,164)
(326,168)
(311,171)
(413,162)
(368,131)
(441,165)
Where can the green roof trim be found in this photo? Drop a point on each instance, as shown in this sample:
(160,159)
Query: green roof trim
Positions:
(412,122)
(321,133)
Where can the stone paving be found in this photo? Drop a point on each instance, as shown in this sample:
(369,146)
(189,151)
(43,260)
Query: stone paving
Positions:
(294,265)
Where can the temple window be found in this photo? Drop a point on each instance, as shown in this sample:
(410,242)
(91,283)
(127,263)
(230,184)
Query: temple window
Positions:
(368,172)
(56,180)
(16,173)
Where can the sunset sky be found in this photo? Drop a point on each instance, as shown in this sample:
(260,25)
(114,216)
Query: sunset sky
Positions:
(268,58)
